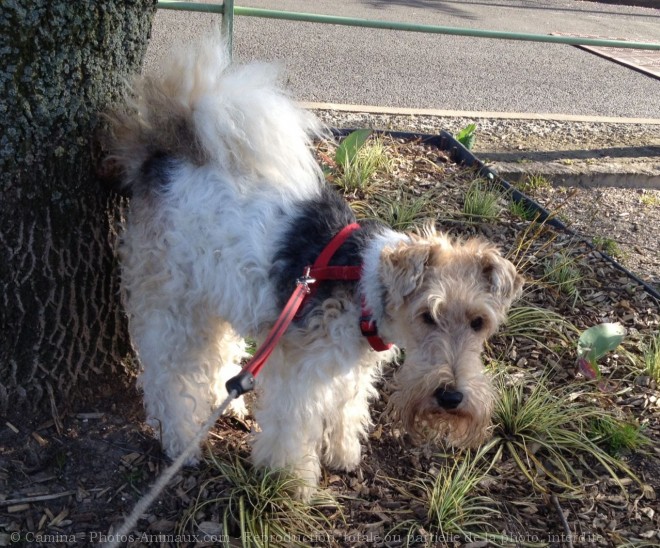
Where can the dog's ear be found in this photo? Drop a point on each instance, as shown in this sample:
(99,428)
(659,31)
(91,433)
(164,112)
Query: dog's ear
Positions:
(501,276)
(402,270)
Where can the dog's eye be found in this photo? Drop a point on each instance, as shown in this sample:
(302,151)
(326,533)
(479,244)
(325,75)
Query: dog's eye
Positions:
(428,319)
(477,323)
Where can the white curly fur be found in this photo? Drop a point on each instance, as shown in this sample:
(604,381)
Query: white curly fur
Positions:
(196,272)
(196,261)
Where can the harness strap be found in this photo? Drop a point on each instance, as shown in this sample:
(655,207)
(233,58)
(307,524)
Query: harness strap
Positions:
(340,273)
(319,271)
(244,381)
(370,330)
(324,257)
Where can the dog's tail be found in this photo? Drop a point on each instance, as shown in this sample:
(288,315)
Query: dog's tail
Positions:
(204,110)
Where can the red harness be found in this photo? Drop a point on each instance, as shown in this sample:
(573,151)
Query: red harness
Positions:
(318,272)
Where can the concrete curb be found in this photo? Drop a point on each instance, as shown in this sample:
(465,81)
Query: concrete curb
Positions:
(372,109)
(605,173)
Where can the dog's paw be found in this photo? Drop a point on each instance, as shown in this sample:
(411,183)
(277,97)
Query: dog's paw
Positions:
(237,409)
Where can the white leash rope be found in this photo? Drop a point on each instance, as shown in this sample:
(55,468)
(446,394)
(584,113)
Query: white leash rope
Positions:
(115,539)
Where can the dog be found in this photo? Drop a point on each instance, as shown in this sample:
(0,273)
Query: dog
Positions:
(228,206)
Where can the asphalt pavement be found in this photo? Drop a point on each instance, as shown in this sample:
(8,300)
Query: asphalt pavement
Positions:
(386,68)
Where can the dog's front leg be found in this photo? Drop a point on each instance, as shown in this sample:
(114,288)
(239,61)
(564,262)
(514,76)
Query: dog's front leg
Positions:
(290,426)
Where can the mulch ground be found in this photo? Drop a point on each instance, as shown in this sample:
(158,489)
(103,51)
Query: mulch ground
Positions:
(71,484)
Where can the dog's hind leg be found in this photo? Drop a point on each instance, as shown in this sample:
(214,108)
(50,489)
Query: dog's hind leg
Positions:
(185,358)
(228,352)
(176,388)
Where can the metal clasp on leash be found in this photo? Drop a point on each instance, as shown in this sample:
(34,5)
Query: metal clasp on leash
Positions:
(245,380)
(306,280)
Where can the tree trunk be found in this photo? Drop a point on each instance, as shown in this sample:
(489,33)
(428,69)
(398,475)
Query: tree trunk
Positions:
(62,328)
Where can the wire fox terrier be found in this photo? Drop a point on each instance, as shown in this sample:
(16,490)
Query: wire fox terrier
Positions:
(228,207)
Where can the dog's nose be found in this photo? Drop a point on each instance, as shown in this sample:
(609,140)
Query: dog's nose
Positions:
(447,398)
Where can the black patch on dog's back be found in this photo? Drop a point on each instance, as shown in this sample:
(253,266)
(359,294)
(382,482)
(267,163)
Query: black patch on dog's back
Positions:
(156,172)
(318,221)
(154,176)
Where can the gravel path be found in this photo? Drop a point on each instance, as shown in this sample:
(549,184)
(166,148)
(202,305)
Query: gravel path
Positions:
(630,217)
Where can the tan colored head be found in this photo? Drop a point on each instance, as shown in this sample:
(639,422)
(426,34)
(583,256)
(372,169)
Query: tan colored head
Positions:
(443,299)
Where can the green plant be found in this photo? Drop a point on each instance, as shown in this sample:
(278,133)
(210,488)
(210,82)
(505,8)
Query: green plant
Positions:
(594,343)
(60,461)
(134,477)
(350,145)
(250,346)
(564,218)
(608,246)
(562,272)
(652,358)
(358,161)
(402,212)
(532,242)
(481,201)
(522,211)
(257,506)
(540,325)
(534,181)
(467,136)
(544,431)
(453,508)
(650,200)
(617,436)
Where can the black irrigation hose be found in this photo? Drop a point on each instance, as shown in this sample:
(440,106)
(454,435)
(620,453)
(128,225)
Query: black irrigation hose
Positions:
(458,153)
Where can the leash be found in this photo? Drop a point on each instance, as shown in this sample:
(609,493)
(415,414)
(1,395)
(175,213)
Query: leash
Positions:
(245,380)
(123,534)
(236,386)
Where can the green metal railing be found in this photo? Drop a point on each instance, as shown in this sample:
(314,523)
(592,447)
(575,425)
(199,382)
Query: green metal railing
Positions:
(228,9)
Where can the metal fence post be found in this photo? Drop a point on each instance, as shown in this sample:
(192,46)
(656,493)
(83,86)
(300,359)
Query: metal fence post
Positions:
(227,25)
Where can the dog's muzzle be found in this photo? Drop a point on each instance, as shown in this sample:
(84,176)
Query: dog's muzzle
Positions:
(447,398)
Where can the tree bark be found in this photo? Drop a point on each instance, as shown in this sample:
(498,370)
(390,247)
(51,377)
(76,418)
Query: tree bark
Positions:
(62,328)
